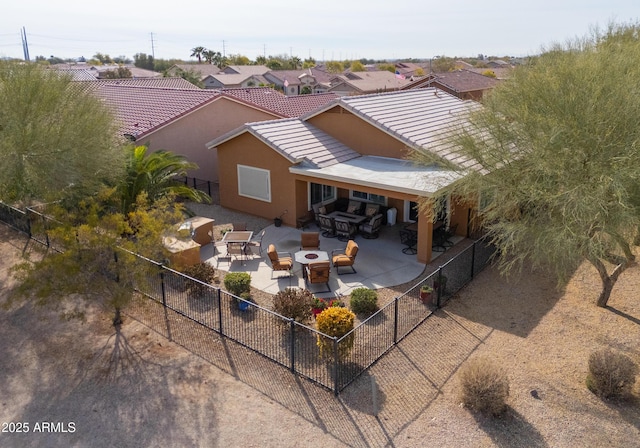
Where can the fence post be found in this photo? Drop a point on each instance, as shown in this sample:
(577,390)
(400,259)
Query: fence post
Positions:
(162,289)
(395,320)
(220,312)
(209,188)
(335,366)
(292,344)
(473,258)
(440,287)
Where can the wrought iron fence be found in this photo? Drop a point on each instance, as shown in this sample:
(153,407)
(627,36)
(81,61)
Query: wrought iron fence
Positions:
(331,362)
(211,188)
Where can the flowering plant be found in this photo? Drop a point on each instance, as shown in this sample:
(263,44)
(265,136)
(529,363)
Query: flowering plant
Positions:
(319,304)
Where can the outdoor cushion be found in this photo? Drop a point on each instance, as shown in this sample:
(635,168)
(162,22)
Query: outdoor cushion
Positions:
(372,210)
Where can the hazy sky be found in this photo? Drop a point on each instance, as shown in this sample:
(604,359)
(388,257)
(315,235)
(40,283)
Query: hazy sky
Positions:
(324,30)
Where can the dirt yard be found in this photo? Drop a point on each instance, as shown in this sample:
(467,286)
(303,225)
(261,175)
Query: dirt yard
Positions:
(58,383)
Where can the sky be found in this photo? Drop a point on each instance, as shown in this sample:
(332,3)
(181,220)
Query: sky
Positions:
(323,30)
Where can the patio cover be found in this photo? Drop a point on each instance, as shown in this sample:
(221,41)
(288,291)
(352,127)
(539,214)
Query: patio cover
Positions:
(397,175)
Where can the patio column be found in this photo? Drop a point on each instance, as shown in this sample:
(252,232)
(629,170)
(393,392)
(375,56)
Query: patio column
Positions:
(425,233)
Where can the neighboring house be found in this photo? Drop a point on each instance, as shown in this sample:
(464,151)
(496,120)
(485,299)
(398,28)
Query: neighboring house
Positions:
(85,72)
(354,147)
(173,114)
(234,80)
(498,63)
(201,70)
(245,70)
(500,73)
(464,84)
(360,83)
(299,82)
(409,69)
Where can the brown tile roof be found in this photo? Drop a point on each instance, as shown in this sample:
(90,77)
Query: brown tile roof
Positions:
(158,83)
(466,81)
(141,110)
(296,140)
(285,106)
(203,70)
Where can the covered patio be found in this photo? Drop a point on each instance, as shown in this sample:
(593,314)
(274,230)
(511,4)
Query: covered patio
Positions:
(379,263)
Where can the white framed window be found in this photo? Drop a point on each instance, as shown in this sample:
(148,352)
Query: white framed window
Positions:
(254,183)
(322,194)
(368,197)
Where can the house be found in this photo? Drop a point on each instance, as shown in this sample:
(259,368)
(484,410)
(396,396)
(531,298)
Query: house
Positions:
(464,84)
(300,82)
(173,114)
(361,83)
(352,148)
(235,76)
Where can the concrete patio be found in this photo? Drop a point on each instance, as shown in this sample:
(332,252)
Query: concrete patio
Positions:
(380,262)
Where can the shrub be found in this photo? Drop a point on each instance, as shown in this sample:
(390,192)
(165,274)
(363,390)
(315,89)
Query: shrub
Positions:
(335,321)
(200,271)
(294,303)
(364,301)
(484,387)
(237,283)
(611,374)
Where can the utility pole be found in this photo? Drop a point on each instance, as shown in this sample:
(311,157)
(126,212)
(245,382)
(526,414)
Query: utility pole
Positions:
(223,49)
(25,45)
(153,50)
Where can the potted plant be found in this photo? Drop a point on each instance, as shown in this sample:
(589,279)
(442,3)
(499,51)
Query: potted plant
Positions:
(277,221)
(425,293)
(244,304)
(318,306)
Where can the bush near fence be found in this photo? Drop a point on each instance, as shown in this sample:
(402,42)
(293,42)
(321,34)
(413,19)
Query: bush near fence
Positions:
(278,338)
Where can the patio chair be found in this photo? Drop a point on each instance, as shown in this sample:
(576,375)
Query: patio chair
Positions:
(239,226)
(327,225)
(346,257)
(439,242)
(310,241)
(345,229)
(371,228)
(409,239)
(256,242)
(318,272)
(280,261)
(371,210)
(448,234)
(237,250)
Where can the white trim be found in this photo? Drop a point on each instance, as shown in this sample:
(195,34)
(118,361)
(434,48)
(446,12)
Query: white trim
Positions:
(256,181)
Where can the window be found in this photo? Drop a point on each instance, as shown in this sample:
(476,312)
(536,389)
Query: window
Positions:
(369,197)
(322,193)
(254,183)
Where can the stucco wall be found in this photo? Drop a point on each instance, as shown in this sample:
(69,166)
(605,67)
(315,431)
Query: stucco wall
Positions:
(247,150)
(189,134)
(357,134)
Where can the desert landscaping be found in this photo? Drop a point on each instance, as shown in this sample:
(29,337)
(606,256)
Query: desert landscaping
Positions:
(142,389)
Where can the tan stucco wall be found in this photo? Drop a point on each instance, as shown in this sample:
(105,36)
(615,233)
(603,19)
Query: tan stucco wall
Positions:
(357,134)
(247,150)
(189,134)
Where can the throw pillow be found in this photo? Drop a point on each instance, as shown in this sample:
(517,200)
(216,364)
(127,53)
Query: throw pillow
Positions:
(352,209)
(371,211)
(323,210)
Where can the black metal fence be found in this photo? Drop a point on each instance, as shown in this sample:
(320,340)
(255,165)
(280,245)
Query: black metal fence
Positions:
(331,362)
(207,186)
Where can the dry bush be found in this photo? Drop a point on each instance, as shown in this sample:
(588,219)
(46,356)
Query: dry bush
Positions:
(611,374)
(294,303)
(484,386)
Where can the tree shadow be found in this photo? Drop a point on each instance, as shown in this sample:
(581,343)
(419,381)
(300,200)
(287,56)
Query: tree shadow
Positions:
(510,429)
(629,317)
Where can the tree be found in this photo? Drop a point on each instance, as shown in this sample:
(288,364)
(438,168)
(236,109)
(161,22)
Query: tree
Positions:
(558,151)
(357,66)
(103,58)
(98,263)
(155,175)
(54,135)
(198,52)
(141,60)
(118,73)
(309,63)
(190,75)
(295,63)
(211,56)
(334,67)
(261,60)
(238,59)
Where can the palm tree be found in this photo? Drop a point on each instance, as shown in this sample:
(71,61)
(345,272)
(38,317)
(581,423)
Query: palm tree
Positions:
(211,56)
(197,52)
(295,62)
(155,174)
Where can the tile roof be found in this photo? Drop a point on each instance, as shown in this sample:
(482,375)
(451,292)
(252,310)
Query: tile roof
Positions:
(158,83)
(466,81)
(421,118)
(247,69)
(293,76)
(203,70)
(285,106)
(78,74)
(141,110)
(371,81)
(298,141)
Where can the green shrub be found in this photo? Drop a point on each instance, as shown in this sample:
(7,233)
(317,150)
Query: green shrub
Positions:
(335,321)
(364,301)
(611,374)
(200,271)
(237,283)
(484,387)
(294,303)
